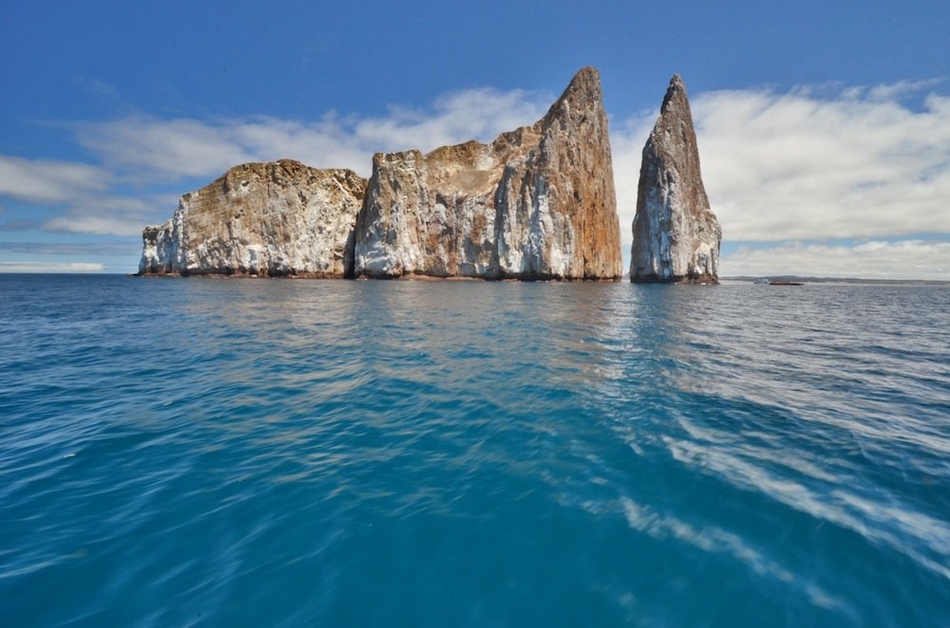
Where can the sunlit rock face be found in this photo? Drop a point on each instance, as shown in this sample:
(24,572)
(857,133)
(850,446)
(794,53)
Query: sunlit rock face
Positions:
(675,234)
(267,219)
(536,203)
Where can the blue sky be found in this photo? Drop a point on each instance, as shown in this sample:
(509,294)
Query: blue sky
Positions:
(824,127)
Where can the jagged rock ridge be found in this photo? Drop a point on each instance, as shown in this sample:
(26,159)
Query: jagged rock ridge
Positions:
(536,203)
(676,236)
(268,219)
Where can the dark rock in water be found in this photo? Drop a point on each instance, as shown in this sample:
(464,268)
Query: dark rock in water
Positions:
(675,234)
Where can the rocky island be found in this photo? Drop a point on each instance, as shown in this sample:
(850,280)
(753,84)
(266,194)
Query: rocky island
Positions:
(676,235)
(537,203)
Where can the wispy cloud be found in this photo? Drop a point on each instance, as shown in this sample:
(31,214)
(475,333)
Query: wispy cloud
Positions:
(626,143)
(94,224)
(72,249)
(479,114)
(798,167)
(84,198)
(146,146)
(48,181)
(49,267)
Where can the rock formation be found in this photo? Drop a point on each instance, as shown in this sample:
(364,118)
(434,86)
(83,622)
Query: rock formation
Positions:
(536,203)
(266,219)
(675,234)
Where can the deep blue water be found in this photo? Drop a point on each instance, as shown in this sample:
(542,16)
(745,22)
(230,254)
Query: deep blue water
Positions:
(278,452)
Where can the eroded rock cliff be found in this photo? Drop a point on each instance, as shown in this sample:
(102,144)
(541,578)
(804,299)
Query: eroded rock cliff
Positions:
(268,219)
(536,203)
(676,235)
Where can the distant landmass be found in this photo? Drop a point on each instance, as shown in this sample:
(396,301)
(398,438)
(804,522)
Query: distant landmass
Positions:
(809,279)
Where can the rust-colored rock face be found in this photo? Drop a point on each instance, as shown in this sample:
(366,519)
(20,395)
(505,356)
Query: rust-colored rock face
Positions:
(536,203)
(676,235)
(266,219)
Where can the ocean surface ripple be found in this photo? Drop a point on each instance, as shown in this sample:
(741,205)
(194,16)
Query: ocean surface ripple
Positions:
(266,452)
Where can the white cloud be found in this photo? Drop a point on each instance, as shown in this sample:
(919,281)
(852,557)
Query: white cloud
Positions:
(798,167)
(174,149)
(46,181)
(626,145)
(94,224)
(875,259)
(473,114)
(893,91)
(83,196)
(154,147)
(50,267)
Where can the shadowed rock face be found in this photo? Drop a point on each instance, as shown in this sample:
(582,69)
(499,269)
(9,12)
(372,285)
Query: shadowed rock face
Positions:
(675,234)
(268,219)
(536,203)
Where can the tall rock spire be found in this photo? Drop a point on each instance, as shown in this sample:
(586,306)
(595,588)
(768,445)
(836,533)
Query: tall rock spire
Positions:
(675,234)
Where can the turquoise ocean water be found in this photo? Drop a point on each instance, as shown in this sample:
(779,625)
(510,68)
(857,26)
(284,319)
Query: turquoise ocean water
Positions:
(286,453)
